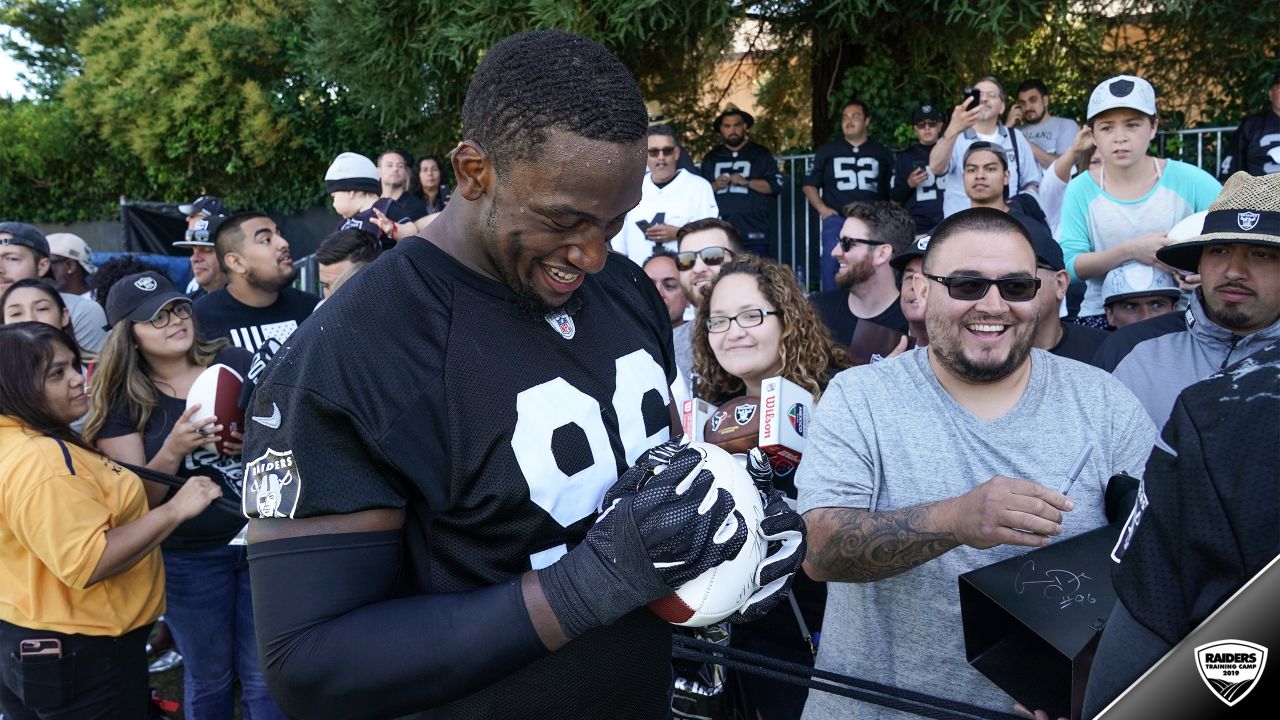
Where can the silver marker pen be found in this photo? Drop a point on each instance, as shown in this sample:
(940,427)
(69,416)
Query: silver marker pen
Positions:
(1077,467)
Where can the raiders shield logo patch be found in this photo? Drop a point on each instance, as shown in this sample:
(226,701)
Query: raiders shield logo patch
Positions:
(1247,220)
(1231,668)
(744,413)
(562,323)
(272,486)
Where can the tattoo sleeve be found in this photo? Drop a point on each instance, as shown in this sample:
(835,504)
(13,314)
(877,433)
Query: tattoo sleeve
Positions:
(855,545)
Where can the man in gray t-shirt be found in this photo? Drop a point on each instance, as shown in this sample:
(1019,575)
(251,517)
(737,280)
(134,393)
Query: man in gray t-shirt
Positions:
(1049,136)
(945,460)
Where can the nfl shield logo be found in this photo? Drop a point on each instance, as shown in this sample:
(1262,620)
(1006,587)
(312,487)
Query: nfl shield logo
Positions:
(1247,220)
(563,324)
(1231,668)
(744,413)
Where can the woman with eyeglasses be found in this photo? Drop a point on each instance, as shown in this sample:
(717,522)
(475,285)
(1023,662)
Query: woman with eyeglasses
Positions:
(757,323)
(138,414)
(81,580)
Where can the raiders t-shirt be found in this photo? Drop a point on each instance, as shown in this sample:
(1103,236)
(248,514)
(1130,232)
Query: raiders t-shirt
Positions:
(214,527)
(219,315)
(420,386)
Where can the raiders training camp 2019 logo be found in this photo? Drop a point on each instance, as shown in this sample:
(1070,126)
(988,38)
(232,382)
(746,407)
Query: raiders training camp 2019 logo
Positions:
(272,484)
(1231,668)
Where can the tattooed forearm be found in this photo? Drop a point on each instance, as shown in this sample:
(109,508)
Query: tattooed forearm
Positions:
(851,545)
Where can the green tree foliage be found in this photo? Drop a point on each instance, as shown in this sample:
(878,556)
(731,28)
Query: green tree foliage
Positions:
(48,33)
(412,59)
(212,95)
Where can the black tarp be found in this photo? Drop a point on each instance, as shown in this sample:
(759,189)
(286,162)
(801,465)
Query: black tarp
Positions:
(153,227)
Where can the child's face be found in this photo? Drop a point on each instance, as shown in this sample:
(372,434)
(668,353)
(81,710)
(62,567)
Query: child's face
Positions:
(1122,136)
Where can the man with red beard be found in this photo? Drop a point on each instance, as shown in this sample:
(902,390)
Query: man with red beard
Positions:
(873,232)
(258,304)
(892,523)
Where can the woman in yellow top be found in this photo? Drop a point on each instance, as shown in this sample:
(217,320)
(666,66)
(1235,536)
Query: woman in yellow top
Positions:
(81,579)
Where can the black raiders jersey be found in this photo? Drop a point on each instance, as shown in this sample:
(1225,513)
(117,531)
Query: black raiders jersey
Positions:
(747,210)
(845,174)
(419,386)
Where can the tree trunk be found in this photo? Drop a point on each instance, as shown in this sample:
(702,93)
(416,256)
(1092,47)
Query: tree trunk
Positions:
(834,52)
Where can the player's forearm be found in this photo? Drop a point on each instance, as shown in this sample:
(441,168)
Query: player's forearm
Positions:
(336,642)
(856,545)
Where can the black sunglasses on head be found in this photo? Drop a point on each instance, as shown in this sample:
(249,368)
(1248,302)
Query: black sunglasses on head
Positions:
(970,288)
(847,243)
(711,256)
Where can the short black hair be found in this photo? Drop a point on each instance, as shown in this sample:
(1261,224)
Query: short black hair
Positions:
(735,238)
(888,222)
(354,244)
(659,251)
(227,237)
(541,80)
(661,130)
(980,219)
(1032,84)
(866,109)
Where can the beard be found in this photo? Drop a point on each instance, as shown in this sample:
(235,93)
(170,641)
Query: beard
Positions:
(524,298)
(944,344)
(856,274)
(271,283)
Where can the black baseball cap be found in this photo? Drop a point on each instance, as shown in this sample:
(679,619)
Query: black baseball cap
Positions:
(26,235)
(913,250)
(1048,251)
(140,296)
(926,112)
(206,205)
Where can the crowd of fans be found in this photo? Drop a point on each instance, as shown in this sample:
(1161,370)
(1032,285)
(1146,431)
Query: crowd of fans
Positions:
(1100,315)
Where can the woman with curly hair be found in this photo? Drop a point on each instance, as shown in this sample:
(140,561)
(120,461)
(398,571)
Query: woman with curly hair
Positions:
(764,326)
(756,323)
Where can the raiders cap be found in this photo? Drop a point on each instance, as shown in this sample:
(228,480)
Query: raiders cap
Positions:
(140,296)
(1122,91)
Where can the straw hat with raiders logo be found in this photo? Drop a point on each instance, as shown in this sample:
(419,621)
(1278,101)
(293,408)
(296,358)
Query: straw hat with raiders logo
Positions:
(1247,211)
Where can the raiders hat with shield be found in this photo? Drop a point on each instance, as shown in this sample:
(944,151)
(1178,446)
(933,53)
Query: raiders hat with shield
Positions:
(1247,211)
(1122,91)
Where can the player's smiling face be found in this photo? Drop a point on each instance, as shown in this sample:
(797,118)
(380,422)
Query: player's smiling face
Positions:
(549,220)
(987,339)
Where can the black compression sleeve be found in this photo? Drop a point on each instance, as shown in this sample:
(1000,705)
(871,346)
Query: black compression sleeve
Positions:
(334,642)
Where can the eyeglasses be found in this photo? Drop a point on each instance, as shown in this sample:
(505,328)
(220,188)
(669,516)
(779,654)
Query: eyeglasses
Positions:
(711,256)
(847,243)
(161,319)
(668,150)
(969,288)
(745,319)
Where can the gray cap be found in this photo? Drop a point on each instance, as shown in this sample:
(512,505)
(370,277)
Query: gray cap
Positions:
(26,235)
(1133,279)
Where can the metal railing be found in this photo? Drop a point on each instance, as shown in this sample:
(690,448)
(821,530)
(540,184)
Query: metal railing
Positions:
(798,238)
(799,228)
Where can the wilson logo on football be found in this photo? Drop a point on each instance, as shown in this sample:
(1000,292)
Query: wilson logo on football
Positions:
(1231,668)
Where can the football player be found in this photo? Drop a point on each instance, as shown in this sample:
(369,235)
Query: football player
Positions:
(437,537)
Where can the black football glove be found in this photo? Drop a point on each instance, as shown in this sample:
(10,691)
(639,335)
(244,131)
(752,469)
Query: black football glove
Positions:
(656,531)
(784,529)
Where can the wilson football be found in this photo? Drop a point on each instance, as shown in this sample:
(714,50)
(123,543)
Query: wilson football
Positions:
(735,425)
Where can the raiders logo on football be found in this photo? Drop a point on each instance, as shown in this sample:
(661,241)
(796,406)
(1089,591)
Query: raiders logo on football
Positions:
(274,484)
(744,413)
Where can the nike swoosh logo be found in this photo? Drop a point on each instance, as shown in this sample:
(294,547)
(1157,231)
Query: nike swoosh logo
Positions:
(273,421)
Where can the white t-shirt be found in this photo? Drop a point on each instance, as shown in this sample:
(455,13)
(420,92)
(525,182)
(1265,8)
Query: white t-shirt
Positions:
(1023,168)
(686,198)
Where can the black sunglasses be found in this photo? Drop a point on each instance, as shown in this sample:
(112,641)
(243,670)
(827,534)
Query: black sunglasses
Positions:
(847,243)
(655,152)
(711,256)
(969,288)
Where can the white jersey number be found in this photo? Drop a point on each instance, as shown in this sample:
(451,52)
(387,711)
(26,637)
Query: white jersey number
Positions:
(856,173)
(545,408)
(742,167)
